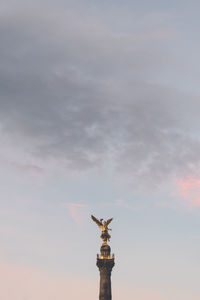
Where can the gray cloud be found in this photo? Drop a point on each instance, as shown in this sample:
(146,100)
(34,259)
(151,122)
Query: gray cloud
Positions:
(73,90)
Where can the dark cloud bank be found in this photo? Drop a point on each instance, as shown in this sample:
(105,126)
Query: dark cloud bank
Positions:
(73,90)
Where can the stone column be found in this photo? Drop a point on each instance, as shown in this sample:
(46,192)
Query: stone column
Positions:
(105,264)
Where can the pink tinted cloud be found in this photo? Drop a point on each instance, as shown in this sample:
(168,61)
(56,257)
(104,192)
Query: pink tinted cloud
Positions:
(188,191)
(76,210)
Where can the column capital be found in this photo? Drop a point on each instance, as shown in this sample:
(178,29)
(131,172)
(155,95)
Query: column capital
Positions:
(105,265)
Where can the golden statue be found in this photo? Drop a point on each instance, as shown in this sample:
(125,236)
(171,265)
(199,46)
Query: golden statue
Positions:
(105,236)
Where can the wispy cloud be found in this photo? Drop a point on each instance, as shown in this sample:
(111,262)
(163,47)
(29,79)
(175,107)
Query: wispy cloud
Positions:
(76,210)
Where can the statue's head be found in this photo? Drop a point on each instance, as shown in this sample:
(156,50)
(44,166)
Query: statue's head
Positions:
(101,220)
(104,223)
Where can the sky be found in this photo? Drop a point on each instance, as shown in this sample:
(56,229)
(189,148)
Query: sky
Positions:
(99,114)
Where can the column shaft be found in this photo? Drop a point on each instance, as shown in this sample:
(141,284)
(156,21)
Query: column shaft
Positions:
(105,267)
(105,285)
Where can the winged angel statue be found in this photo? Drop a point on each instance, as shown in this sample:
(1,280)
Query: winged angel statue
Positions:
(103,225)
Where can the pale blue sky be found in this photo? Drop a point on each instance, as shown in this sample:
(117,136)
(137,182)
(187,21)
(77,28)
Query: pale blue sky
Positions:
(99,114)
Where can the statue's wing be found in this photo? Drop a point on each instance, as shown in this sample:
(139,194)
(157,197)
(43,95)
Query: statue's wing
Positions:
(96,221)
(109,221)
